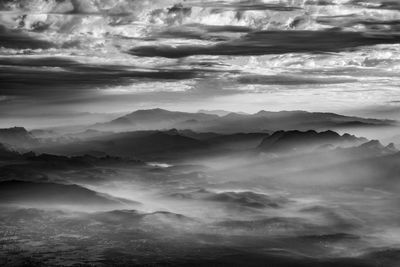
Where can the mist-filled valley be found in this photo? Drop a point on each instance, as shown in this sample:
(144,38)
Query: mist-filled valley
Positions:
(200,133)
(183,197)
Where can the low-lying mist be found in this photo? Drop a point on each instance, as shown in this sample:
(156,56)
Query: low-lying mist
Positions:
(293,198)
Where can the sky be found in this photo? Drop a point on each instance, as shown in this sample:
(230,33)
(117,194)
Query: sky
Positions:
(61,60)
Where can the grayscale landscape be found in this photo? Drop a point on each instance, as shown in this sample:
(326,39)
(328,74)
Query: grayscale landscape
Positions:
(200,133)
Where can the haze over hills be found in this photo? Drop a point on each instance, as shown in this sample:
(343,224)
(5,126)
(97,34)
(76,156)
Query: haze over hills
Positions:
(196,132)
(297,141)
(201,180)
(370,165)
(17,136)
(219,112)
(201,189)
(235,122)
(169,132)
(170,144)
(154,119)
(130,144)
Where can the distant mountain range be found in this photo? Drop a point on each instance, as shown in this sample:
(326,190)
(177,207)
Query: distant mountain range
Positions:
(262,121)
(153,119)
(219,112)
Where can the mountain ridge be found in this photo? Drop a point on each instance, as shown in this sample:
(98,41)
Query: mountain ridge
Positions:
(17,137)
(232,122)
(289,141)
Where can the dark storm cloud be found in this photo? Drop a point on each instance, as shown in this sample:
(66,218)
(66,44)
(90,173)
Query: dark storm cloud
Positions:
(289,80)
(320,2)
(273,42)
(41,76)
(222,28)
(37,62)
(355,72)
(17,40)
(244,5)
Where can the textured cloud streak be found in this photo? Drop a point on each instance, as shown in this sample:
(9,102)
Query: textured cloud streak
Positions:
(274,42)
(18,40)
(289,80)
(31,76)
(204,54)
(377,4)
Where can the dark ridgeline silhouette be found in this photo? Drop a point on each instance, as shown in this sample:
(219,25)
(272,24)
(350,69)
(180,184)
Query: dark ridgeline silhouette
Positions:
(56,195)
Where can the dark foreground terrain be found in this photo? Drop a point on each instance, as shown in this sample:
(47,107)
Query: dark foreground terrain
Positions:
(185,198)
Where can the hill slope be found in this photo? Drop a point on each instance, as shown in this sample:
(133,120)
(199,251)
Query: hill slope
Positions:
(53,194)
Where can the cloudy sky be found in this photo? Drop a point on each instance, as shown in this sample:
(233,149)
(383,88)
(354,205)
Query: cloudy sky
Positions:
(65,58)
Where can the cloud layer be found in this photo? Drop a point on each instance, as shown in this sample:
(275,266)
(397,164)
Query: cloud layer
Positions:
(198,54)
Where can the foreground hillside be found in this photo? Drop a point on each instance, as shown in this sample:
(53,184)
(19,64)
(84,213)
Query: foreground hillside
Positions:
(181,197)
(178,197)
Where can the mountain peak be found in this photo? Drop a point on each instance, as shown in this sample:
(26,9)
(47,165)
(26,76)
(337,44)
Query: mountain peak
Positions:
(15,129)
(17,137)
(373,144)
(391,146)
(154,110)
(376,147)
(262,112)
(155,119)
